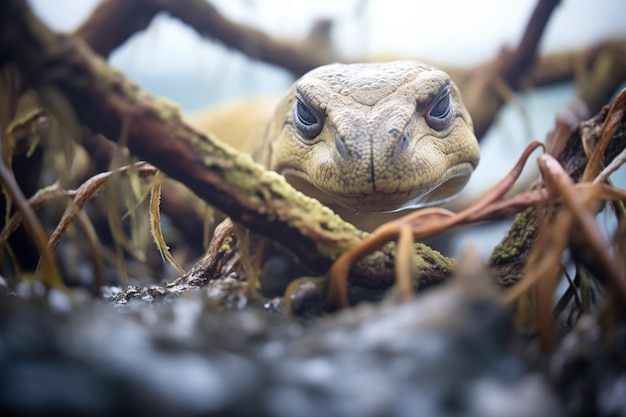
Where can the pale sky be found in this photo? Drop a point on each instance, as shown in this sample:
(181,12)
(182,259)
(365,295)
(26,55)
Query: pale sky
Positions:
(452,31)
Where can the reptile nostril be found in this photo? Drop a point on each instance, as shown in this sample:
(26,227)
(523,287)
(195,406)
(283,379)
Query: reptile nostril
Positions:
(341,146)
(404,140)
(398,138)
(397,141)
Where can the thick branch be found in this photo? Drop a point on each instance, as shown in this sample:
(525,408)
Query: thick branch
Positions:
(153,130)
(114,21)
(207,21)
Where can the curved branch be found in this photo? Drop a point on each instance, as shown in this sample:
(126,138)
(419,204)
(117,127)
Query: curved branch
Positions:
(154,131)
(114,21)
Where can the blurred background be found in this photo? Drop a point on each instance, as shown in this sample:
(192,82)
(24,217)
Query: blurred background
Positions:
(171,60)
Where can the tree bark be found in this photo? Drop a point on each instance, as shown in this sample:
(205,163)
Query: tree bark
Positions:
(153,130)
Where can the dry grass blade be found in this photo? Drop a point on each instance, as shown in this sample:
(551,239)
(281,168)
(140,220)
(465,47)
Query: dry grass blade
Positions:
(15,265)
(133,245)
(134,180)
(155,224)
(94,247)
(599,258)
(207,225)
(405,264)
(248,259)
(611,168)
(86,192)
(572,292)
(611,125)
(134,196)
(49,270)
(41,198)
(574,225)
(81,196)
(9,91)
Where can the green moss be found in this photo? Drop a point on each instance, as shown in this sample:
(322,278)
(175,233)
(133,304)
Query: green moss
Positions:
(515,243)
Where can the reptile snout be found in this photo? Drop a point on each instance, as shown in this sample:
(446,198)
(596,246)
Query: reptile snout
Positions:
(377,137)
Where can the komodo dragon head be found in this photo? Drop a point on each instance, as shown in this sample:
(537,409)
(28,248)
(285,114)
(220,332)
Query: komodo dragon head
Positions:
(374,137)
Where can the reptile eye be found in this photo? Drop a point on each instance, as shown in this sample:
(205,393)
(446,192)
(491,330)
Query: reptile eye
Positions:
(440,114)
(307,120)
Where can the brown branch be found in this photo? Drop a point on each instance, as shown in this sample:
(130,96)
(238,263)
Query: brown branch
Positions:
(482,91)
(210,265)
(153,130)
(207,21)
(114,21)
(518,61)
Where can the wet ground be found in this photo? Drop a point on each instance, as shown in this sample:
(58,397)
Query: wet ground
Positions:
(451,351)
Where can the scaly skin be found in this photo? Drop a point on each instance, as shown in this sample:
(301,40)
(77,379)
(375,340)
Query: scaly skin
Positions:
(371,149)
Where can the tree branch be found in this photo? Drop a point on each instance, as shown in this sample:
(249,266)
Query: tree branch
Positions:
(482,91)
(604,65)
(114,21)
(518,61)
(153,130)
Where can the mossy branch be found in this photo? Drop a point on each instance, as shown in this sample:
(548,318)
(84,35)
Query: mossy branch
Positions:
(105,101)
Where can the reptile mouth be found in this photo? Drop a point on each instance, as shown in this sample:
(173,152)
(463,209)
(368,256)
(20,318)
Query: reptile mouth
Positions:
(443,190)
(450,183)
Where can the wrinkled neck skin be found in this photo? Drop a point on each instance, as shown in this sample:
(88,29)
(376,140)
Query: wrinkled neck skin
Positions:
(377,152)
